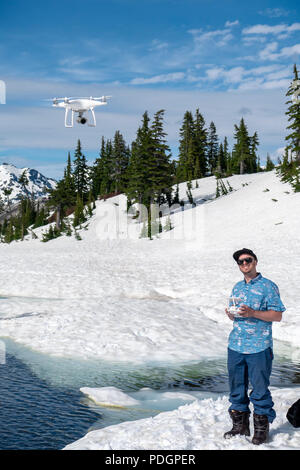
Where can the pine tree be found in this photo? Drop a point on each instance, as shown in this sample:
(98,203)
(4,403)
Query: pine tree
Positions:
(187,149)
(293,113)
(212,147)
(244,150)
(69,182)
(7,192)
(139,184)
(222,163)
(119,163)
(159,166)
(63,195)
(100,172)
(252,166)
(200,134)
(269,164)
(23,180)
(80,173)
(1,205)
(79,216)
(9,232)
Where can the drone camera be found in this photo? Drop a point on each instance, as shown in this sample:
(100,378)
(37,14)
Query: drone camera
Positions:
(82,120)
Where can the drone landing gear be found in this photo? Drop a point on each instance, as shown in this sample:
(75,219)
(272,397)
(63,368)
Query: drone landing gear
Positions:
(66,118)
(81,119)
(94,118)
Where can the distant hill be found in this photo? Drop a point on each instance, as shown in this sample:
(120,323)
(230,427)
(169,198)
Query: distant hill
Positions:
(9,176)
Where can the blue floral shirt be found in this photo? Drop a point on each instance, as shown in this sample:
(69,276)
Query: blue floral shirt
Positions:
(251,335)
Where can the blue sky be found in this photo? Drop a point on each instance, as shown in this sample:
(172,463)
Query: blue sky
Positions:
(227,58)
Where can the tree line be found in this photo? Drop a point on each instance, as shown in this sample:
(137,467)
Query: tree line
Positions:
(289,166)
(144,170)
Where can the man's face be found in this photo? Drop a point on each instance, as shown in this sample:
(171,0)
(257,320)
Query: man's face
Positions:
(247,264)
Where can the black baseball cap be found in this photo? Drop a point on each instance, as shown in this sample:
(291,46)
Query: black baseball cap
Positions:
(244,251)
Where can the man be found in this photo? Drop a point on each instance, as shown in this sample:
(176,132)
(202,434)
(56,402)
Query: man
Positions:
(250,349)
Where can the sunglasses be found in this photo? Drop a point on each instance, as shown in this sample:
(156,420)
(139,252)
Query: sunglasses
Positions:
(247,260)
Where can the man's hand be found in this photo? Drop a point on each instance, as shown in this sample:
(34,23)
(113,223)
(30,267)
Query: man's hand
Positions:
(229,314)
(245,311)
(265,315)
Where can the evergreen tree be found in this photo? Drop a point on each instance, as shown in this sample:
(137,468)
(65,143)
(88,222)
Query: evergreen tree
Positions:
(139,184)
(244,157)
(23,180)
(253,158)
(269,164)
(7,192)
(212,147)
(80,173)
(79,216)
(222,162)
(159,166)
(187,149)
(1,205)
(63,196)
(9,232)
(227,156)
(293,113)
(119,163)
(200,145)
(69,182)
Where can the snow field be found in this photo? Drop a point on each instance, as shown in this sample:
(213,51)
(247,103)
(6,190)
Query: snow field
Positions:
(132,300)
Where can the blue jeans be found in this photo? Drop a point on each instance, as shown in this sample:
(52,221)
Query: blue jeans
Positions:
(255,368)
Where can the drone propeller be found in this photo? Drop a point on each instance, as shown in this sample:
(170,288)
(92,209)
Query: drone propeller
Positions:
(57,99)
(88,97)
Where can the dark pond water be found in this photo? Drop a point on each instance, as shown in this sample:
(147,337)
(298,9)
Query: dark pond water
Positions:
(36,415)
(41,406)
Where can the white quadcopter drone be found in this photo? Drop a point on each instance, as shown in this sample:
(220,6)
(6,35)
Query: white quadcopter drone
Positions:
(80,106)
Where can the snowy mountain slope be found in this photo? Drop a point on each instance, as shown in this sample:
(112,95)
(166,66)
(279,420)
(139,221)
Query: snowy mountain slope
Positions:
(115,297)
(138,295)
(9,176)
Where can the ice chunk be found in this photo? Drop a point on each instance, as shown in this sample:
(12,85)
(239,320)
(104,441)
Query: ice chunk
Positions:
(109,396)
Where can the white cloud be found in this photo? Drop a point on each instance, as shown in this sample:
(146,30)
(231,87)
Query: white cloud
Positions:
(221,37)
(232,23)
(250,40)
(290,51)
(265,77)
(233,75)
(269,52)
(157,45)
(274,12)
(260,84)
(263,69)
(75,61)
(267,29)
(169,77)
(272,84)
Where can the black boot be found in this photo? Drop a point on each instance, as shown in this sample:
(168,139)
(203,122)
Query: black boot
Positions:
(261,429)
(240,420)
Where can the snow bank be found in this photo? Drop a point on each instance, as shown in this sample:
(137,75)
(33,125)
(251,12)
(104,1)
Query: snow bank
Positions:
(145,398)
(199,425)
